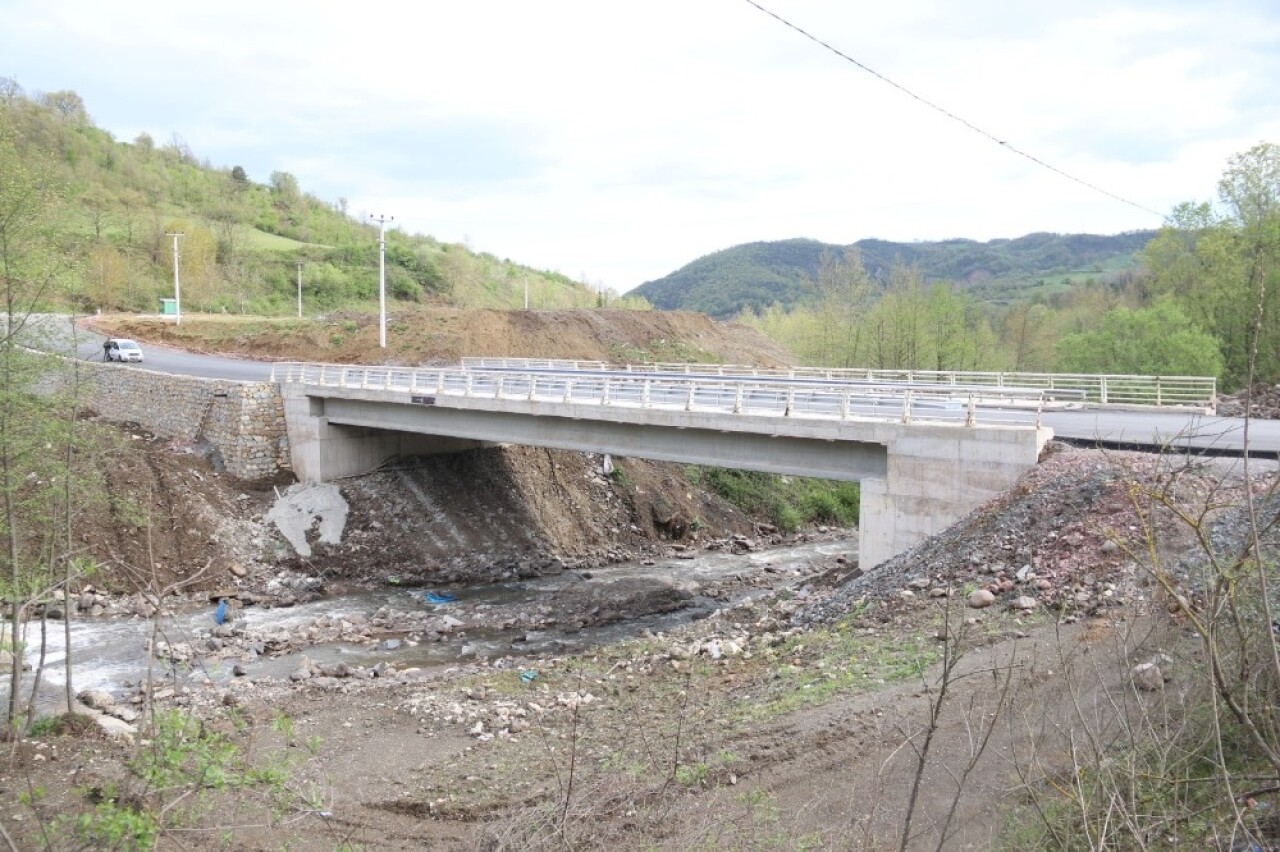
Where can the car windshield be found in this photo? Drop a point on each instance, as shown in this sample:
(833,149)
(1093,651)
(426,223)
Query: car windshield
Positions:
(127,344)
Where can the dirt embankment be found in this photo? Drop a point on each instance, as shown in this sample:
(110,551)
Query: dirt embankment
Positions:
(442,335)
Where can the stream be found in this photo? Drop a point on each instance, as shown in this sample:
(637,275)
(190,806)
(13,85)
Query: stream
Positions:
(110,653)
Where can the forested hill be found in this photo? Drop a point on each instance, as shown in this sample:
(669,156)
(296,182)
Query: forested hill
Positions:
(756,275)
(112,205)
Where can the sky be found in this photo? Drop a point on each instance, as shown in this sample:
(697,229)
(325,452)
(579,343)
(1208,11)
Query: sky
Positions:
(616,141)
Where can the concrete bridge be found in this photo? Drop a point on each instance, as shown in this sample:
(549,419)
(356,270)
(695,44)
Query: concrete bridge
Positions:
(925,456)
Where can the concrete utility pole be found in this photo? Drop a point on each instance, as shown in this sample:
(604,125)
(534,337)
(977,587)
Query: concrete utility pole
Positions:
(382,276)
(177,288)
(299,289)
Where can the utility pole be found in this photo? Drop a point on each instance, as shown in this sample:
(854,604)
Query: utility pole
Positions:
(299,289)
(526,291)
(177,288)
(382,276)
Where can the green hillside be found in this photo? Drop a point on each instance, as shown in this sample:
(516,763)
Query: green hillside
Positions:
(756,275)
(242,239)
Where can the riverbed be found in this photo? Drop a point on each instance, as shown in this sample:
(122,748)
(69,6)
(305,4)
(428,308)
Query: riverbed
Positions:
(500,623)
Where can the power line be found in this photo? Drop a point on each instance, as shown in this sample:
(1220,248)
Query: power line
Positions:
(931,105)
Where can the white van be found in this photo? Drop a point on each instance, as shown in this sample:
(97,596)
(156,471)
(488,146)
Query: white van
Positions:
(121,349)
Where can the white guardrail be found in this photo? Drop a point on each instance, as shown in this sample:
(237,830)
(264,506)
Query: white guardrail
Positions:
(1101,389)
(1017,407)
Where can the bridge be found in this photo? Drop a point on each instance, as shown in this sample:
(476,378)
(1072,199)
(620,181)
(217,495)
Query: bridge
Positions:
(925,456)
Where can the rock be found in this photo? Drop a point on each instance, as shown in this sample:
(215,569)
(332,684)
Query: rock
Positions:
(238,670)
(116,727)
(1024,603)
(389,645)
(938,593)
(123,713)
(1147,677)
(336,670)
(300,674)
(98,699)
(1109,546)
(238,570)
(981,599)
(919,583)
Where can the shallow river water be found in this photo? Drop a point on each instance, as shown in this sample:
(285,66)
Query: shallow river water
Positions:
(110,653)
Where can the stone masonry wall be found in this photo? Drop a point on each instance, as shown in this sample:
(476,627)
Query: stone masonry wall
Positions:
(242,422)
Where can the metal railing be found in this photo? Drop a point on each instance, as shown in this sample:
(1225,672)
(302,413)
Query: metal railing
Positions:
(1100,389)
(1014,407)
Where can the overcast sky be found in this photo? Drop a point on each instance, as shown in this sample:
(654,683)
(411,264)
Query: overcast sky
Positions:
(620,140)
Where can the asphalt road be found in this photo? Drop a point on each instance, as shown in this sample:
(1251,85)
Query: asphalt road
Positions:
(165,360)
(1110,427)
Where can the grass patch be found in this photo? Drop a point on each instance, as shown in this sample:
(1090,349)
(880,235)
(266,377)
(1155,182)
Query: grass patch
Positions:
(814,668)
(788,502)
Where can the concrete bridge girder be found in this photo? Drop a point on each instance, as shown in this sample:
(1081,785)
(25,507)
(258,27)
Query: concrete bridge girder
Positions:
(916,479)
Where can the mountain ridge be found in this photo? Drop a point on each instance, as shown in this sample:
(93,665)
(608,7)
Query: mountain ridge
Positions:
(758,274)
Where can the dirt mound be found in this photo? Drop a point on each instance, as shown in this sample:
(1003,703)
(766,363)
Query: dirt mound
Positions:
(442,335)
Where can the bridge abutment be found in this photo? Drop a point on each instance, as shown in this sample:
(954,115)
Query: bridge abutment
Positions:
(322,450)
(936,476)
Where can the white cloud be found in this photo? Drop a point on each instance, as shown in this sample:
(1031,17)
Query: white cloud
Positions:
(624,140)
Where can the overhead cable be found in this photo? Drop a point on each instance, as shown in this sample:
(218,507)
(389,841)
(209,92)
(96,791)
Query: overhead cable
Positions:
(931,105)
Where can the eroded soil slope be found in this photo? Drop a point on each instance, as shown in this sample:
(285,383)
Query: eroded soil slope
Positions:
(509,512)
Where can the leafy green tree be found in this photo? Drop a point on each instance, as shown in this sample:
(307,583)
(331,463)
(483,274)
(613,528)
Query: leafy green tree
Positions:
(1225,268)
(32,266)
(1159,340)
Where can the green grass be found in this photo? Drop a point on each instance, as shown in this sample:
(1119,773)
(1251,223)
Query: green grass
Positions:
(836,661)
(788,502)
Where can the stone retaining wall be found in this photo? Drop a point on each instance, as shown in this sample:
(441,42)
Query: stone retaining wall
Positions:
(243,422)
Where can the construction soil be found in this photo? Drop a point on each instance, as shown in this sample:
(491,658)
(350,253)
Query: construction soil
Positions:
(810,713)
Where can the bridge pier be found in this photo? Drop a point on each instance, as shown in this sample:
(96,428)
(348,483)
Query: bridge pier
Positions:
(936,476)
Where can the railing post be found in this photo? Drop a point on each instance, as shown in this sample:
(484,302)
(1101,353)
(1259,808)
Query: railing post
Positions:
(533,385)
(440,382)
(791,400)
(1102,389)
(971,416)
(604,394)
(844,405)
(737,400)
(644,393)
(688,402)
(1158,394)
(497,387)
(906,406)
(568,391)
(466,390)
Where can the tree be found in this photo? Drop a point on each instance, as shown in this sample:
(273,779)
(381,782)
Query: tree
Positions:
(843,296)
(66,104)
(1027,335)
(1160,340)
(31,269)
(238,177)
(1224,266)
(285,188)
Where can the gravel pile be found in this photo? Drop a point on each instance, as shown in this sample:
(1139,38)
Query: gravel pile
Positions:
(1265,402)
(1077,534)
